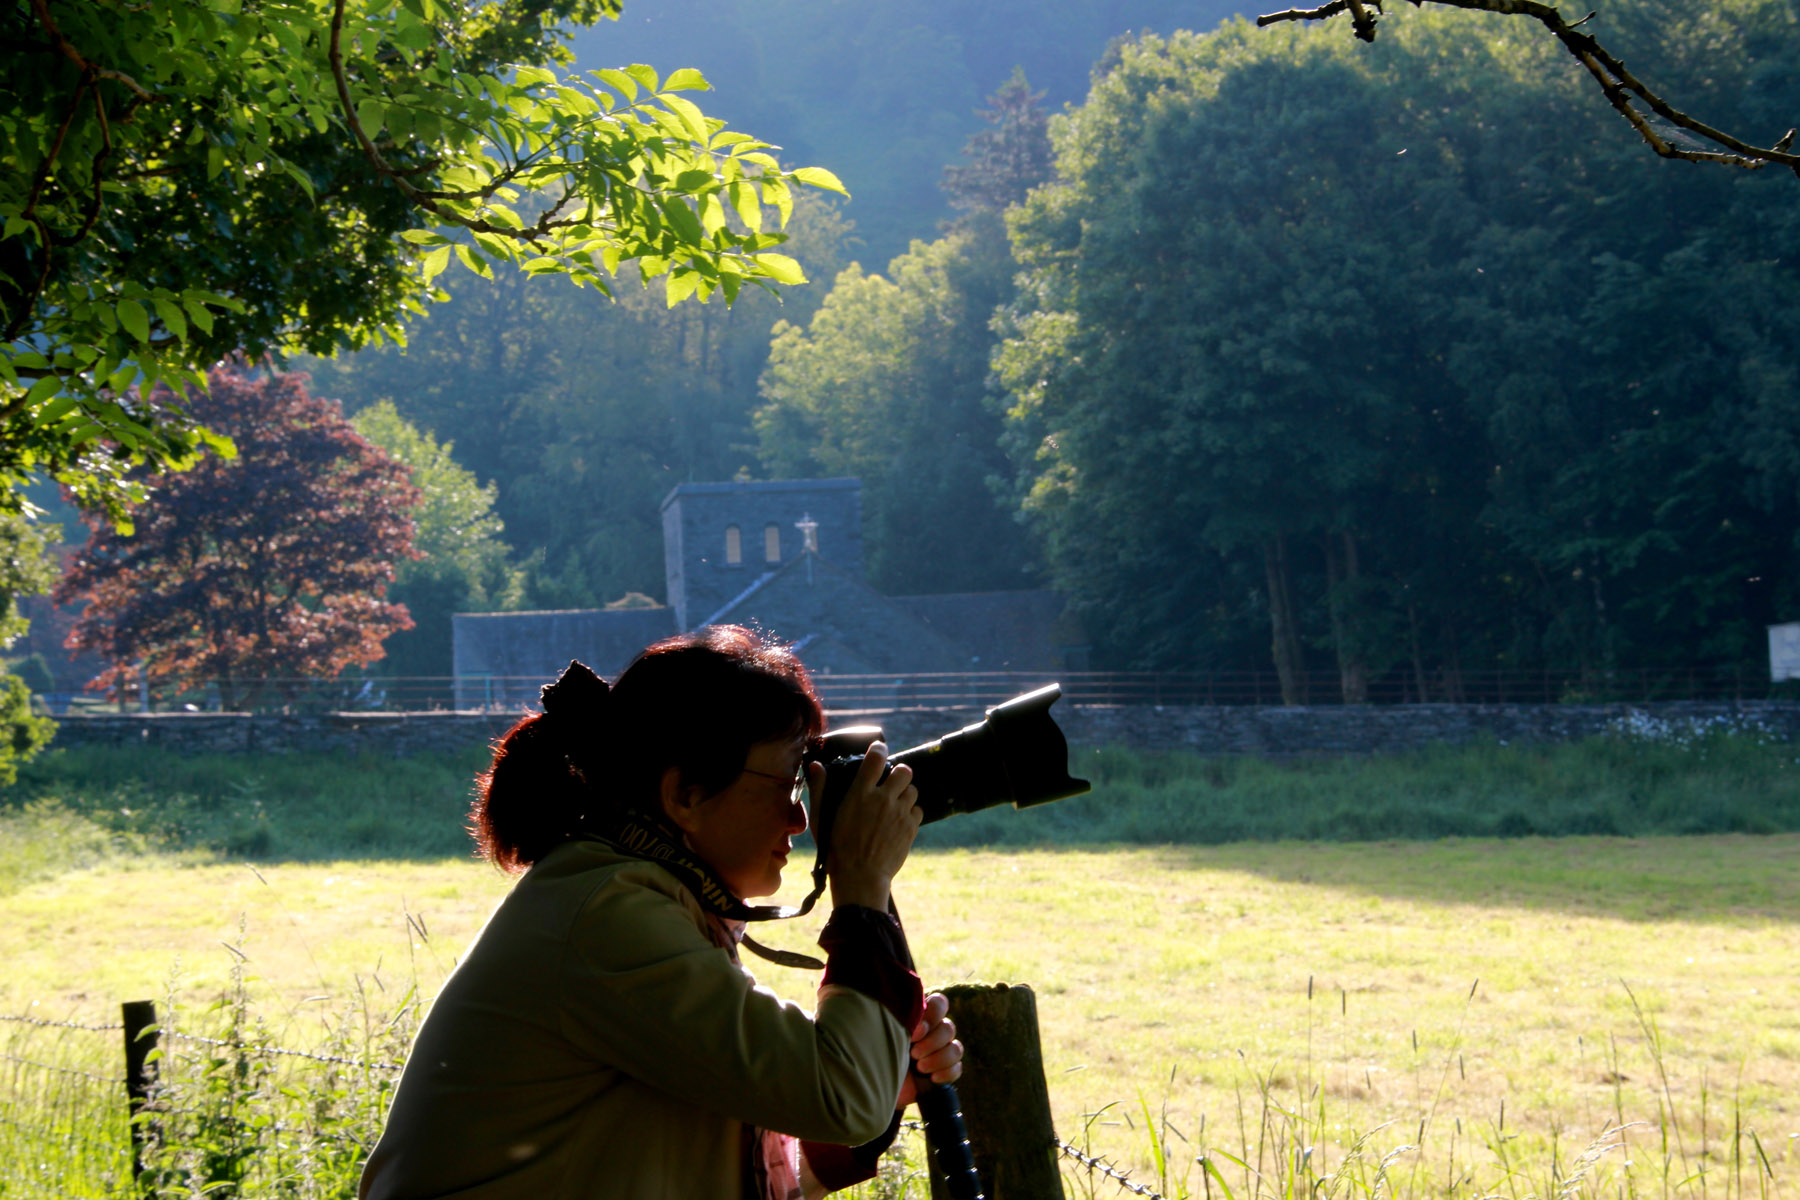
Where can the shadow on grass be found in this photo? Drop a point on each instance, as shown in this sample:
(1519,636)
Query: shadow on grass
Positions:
(255,808)
(1730,878)
(1582,828)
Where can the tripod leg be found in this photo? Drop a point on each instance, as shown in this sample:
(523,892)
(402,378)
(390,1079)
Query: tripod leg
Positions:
(941,1109)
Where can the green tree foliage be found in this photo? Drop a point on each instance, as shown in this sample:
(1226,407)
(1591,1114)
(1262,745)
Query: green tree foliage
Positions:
(463,563)
(26,569)
(270,565)
(890,380)
(585,416)
(885,94)
(889,383)
(1666,129)
(1010,159)
(1405,351)
(182,179)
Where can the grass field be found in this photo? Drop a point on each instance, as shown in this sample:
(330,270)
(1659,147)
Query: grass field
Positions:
(1516,996)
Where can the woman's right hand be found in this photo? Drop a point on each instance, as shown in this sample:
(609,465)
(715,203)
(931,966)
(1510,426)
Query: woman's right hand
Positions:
(872,831)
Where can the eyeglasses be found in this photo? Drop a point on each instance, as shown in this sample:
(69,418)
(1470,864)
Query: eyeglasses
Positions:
(796,783)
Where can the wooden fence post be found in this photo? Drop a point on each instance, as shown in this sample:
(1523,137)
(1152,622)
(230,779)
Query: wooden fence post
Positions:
(1005,1101)
(140,1071)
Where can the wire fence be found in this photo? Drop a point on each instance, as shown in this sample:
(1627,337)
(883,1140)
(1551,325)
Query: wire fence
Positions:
(62,1107)
(64,1121)
(1101,1167)
(977,689)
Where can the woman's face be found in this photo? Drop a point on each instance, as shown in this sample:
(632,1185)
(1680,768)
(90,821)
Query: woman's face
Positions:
(746,831)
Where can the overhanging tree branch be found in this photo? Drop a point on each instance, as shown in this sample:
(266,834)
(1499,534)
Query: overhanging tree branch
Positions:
(69,51)
(1623,90)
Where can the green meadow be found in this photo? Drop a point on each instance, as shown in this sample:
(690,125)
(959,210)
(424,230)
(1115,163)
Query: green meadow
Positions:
(1301,1011)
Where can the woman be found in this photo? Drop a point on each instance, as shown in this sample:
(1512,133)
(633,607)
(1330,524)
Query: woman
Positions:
(600,1038)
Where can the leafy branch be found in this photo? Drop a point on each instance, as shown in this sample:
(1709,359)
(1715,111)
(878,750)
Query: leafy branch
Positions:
(1623,90)
(191,178)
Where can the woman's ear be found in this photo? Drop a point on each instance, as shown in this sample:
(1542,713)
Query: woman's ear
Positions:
(679,804)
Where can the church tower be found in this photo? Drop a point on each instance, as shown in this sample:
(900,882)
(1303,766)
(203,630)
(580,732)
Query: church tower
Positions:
(721,538)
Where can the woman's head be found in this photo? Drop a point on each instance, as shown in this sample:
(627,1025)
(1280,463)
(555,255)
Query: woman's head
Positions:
(695,704)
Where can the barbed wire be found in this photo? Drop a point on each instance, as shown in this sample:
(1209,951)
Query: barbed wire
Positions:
(1102,1167)
(159,1110)
(282,1052)
(179,1036)
(1097,1165)
(39,1021)
(14,1058)
(1094,1164)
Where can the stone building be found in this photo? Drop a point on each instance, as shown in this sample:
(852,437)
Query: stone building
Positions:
(784,556)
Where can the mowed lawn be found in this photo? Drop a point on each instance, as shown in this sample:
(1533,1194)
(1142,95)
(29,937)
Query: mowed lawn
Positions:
(1502,992)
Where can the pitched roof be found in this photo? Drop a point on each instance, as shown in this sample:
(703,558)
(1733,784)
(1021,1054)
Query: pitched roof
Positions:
(1003,631)
(809,600)
(501,659)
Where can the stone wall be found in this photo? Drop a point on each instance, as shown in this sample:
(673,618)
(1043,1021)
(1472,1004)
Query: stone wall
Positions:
(399,735)
(1266,732)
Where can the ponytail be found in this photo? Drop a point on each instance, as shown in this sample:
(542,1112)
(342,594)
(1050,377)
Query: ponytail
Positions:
(696,702)
(536,794)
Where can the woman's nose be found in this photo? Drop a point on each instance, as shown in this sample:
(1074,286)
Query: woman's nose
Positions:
(797,817)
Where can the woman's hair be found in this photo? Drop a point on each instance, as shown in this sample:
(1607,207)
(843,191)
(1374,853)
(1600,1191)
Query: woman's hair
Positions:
(697,702)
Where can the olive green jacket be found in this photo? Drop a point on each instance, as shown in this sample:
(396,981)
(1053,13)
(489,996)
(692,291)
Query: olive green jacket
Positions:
(594,1042)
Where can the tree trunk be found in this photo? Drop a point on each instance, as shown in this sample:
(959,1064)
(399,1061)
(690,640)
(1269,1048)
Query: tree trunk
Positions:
(1602,635)
(1454,691)
(1418,657)
(1290,665)
(1342,572)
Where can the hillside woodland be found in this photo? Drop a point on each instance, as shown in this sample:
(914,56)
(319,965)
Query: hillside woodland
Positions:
(1404,357)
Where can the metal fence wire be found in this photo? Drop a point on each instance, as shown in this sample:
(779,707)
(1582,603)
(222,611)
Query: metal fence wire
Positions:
(976,689)
(61,1113)
(1100,1166)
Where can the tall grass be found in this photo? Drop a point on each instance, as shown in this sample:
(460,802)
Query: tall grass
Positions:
(236,1115)
(1281,1139)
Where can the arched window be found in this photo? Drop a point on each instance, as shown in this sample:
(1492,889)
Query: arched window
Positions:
(772,542)
(734,546)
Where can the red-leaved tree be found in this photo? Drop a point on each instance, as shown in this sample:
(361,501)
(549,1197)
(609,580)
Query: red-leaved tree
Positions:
(271,565)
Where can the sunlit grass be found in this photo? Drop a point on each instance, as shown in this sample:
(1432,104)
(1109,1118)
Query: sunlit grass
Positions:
(1259,978)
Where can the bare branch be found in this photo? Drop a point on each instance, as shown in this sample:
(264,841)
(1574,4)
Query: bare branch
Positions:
(98,172)
(1304,14)
(46,240)
(423,198)
(91,70)
(1617,83)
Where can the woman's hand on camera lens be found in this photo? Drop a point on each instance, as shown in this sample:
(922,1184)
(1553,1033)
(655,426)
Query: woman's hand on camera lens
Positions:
(872,831)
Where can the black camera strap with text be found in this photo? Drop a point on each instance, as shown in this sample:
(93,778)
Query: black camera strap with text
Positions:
(636,836)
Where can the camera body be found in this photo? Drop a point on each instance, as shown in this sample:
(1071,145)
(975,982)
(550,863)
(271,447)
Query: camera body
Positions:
(1016,754)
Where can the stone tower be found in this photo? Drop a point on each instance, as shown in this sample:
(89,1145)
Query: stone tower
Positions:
(721,538)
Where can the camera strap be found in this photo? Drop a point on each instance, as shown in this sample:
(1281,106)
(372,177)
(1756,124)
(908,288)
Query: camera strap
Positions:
(636,836)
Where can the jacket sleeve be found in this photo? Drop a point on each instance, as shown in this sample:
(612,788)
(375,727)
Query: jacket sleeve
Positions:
(645,992)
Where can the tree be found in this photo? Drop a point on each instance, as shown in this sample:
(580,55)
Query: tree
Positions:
(1393,350)
(463,563)
(270,565)
(1667,130)
(890,380)
(566,406)
(889,383)
(1010,159)
(26,569)
(184,179)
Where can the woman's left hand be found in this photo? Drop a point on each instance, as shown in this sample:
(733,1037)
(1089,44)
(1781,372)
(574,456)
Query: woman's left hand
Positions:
(935,1050)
